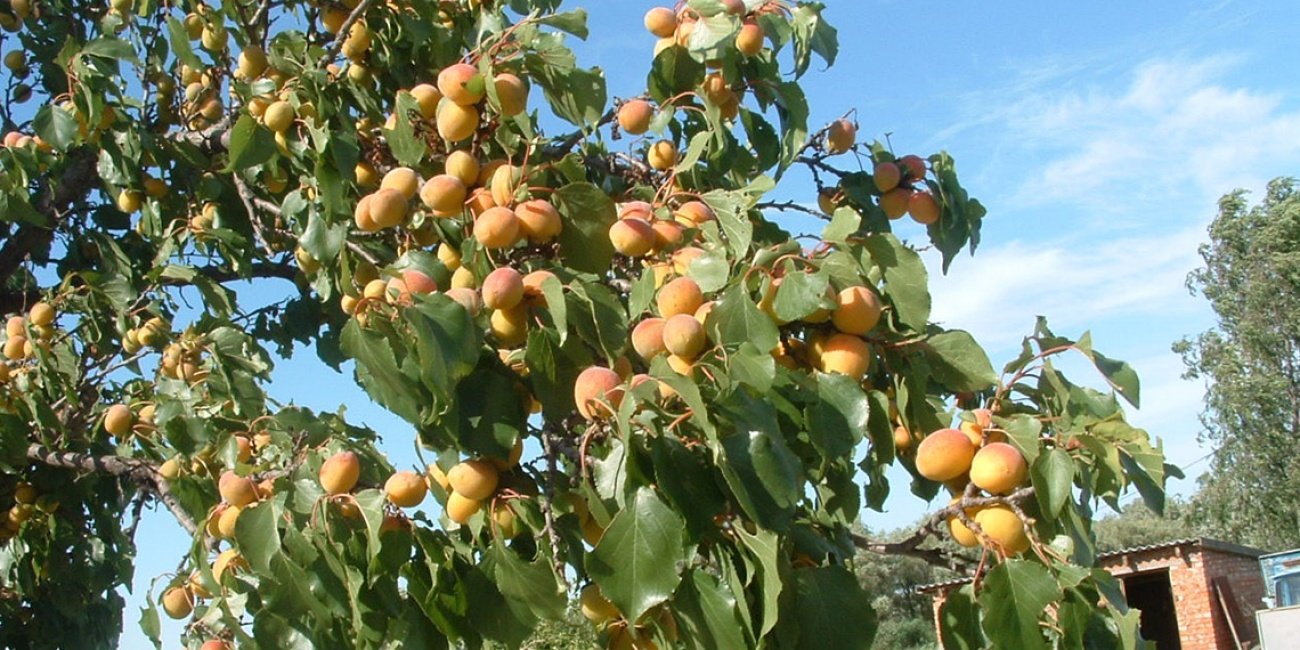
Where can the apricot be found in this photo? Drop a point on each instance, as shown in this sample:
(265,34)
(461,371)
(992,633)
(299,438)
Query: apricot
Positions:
(463,278)
(130,201)
(506,521)
(41,314)
(449,256)
(684,336)
(460,508)
(177,602)
(913,167)
(474,479)
(680,296)
(118,420)
(427,96)
(636,210)
(456,122)
(236,490)
(661,21)
(434,474)
(998,468)
(340,472)
(497,228)
(846,354)
(648,338)
(468,298)
(539,221)
(375,290)
(902,439)
(944,455)
(886,175)
(597,391)
(228,560)
(841,136)
(668,234)
(505,180)
(402,179)
(388,207)
(516,452)
(503,288)
(632,237)
(214,644)
(634,116)
(405,489)
(533,286)
(894,202)
(595,606)
(462,165)
(418,281)
(16,326)
(975,430)
(226,522)
(857,310)
(367,175)
(512,94)
(662,155)
(960,533)
(509,326)
(480,201)
(1001,524)
(279,116)
(462,84)
(750,38)
(923,207)
(693,214)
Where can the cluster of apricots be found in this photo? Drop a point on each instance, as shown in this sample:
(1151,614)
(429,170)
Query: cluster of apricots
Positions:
(23,505)
(975,453)
(675,27)
(623,635)
(178,600)
(24,333)
(472,484)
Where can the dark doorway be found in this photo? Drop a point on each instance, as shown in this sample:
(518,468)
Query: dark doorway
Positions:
(1150,593)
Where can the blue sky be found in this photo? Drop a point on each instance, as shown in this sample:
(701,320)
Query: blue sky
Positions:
(1098,135)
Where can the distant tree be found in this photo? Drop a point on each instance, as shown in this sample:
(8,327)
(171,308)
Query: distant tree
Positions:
(1137,525)
(1251,364)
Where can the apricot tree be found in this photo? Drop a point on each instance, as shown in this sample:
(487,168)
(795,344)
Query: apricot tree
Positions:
(501,254)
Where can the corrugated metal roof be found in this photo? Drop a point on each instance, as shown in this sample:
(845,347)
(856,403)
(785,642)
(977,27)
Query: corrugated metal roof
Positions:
(1214,544)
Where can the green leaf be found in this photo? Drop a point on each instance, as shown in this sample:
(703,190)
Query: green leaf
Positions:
(714,606)
(735,319)
(958,362)
(1120,375)
(588,213)
(533,584)
(906,280)
(844,222)
(838,418)
(792,108)
(1023,432)
(812,34)
(828,598)
(1015,594)
(1145,467)
(573,22)
(258,535)
(407,147)
(1053,477)
(799,295)
(638,558)
(759,467)
(250,144)
(732,210)
(576,95)
(673,71)
(765,547)
(180,43)
(959,620)
(56,126)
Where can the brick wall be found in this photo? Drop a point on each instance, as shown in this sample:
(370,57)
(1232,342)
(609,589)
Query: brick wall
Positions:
(1247,589)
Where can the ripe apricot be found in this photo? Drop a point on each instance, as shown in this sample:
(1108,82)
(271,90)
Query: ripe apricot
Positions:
(462,165)
(505,180)
(998,468)
(456,122)
(597,391)
(944,455)
(692,214)
(434,474)
(750,38)
(923,207)
(228,560)
(913,167)
(595,606)
(405,489)
(533,286)
(886,176)
(902,439)
(496,228)
(468,298)
(214,644)
(118,420)
(661,21)
(503,288)
(226,522)
(648,338)
(960,533)
(427,96)
(668,234)
(462,277)
(418,281)
(662,155)
(846,354)
(894,202)
(16,326)
(975,430)
(461,83)
(509,326)
(279,116)
(681,296)
(340,472)
(857,310)
(512,94)
(177,602)
(539,221)
(841,136)
(636,210)
(506,521)
(41,314)
(474,479)
(684,336)
(480,201)
(1004,527)
(236,490)
(634,116)
(402,179)
(388,208)
(632,237)
(460,508)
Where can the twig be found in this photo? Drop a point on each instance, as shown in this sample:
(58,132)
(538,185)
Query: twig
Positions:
(548,506)
(246,197)
(791,205)
(342,35)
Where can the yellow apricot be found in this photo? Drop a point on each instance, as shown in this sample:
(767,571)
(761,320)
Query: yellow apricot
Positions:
(405,489)
(402,179)
(444,194)
(226,522)
(539,221)
(1003,526)
(464,166)
(960,533)
(509,326)
(427,96)
(41,314)
(693,214)
(460,508)
(841,136)
(681,296)
(512,94)
(236,490)
(846,354)
(388,207)
(944,455)
(597,391)
(661,21)
(750,39)
(279,116)
(632,237)
(503,288)
(595,606)
(684,336)
(634,116)
(118,420)
(474,479)
(449,256)
(648,338)
(998,468)
(434,474)
(662,155)
(857,311)
(497,228)
(461,83)
(456,122)
(468,298)
(340,472)
(177,602)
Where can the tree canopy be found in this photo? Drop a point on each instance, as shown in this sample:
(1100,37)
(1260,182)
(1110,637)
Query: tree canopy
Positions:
(436,197)
(1249,362)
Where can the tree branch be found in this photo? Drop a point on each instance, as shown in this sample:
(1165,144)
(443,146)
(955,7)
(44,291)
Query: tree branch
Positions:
(342,35)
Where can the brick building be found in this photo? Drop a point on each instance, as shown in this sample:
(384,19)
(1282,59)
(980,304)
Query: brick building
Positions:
(1194,594)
